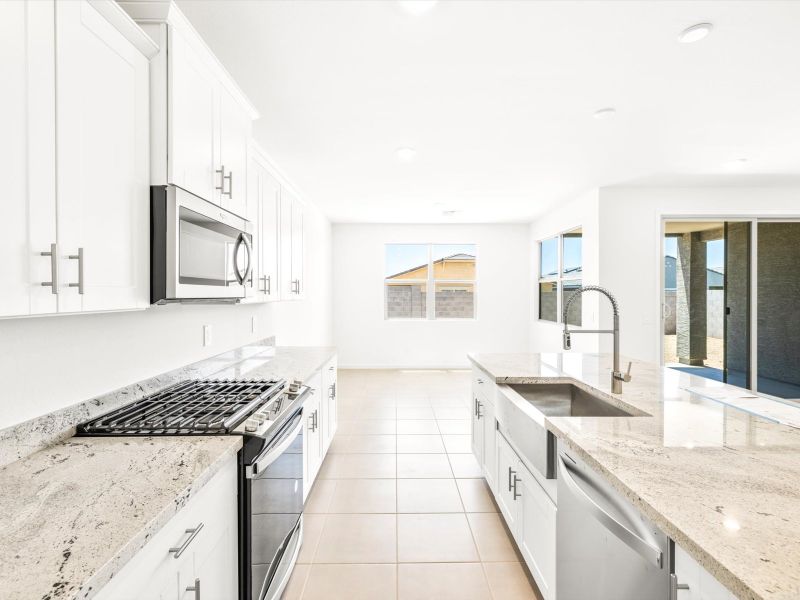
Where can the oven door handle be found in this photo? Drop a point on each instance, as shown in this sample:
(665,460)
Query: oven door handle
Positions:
(271,453)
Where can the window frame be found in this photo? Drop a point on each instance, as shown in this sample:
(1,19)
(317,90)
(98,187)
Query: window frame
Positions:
(560,278)
(430,285)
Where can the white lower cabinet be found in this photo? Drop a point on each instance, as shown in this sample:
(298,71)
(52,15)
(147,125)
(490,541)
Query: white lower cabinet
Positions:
(536,531)
(197,548)
(484,426)
(330,412)
(312,436)
(700,584)
(321,418)
(530,515)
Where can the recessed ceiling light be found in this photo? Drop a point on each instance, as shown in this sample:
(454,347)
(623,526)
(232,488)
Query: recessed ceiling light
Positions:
(604,113)
(695,33)
(405,153)
(417,7)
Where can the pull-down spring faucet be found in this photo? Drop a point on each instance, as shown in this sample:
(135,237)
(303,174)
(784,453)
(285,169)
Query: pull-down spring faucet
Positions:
(617,376)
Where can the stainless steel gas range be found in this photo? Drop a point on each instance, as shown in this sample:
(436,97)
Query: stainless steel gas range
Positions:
(268,414)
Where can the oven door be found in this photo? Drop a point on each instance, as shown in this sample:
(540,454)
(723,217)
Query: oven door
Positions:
(273,485)
(209,250)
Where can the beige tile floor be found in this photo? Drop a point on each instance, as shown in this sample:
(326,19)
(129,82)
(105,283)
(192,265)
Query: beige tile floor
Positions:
(399,510)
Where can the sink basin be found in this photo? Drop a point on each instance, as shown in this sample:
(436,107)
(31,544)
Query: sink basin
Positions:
(530,435)
(568,400)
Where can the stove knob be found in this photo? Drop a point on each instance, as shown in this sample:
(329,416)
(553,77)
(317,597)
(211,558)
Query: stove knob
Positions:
(260,418)
(250,425)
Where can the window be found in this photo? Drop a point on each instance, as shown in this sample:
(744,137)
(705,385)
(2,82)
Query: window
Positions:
(430,281)
(560,275)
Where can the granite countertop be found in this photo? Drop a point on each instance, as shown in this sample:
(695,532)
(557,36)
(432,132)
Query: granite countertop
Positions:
(723,483)
(280,362)
(72,515)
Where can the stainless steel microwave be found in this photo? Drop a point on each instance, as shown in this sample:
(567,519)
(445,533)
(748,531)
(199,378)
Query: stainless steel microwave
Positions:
(199,252)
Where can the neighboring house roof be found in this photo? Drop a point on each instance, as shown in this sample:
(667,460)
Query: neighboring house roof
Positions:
(714,276)
(460,256)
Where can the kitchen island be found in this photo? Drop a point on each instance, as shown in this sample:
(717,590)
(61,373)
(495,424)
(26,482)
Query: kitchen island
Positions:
(724,484)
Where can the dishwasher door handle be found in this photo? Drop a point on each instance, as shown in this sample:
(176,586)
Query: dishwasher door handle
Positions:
(645,549)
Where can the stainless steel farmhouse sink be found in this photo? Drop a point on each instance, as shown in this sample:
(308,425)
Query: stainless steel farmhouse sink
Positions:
(527,428)
(568,400)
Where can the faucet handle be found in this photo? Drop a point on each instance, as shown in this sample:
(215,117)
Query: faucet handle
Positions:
(627,376)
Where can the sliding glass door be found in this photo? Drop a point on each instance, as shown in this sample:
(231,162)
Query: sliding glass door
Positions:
(736,334)
(726,285)
(778,309)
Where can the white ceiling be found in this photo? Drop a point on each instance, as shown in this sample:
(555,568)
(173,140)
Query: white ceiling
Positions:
(497,99)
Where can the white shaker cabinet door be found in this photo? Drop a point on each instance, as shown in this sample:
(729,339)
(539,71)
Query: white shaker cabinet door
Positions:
(268,227)
(192,138)
(271,191)
(102,109)
(298,248)
(536,532)
(27,106)
(507,473)
(489,444)
(286,284)
(235,125)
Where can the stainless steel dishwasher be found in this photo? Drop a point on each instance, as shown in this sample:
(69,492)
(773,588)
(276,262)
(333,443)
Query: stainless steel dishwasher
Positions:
(606,549)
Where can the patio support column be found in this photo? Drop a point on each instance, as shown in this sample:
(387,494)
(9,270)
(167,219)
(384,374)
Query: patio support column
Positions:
(691,300)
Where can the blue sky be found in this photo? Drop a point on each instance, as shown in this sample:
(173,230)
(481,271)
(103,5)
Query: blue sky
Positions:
(401,257)
(715,251)
(549,258)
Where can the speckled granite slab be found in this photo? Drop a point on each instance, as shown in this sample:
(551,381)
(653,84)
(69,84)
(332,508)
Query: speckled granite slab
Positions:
(73,515)
(723,483)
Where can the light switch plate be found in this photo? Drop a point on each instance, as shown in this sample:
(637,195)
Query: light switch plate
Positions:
(206,335)
(252,324)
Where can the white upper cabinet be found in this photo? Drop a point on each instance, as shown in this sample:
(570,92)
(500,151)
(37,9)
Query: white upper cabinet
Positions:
(192,114)
(102,148)
(292,246)
(27,109)
(76,236)
(235,131)
(263,199)
(202,122)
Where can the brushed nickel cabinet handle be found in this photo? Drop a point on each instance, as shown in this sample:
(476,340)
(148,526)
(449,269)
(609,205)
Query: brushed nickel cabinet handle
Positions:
(221,173)
(229,177)
(53,254)
(516,481)
(178,550)
(79,258)
(195,588)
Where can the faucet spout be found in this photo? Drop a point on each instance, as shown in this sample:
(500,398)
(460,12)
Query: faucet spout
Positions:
(617,377)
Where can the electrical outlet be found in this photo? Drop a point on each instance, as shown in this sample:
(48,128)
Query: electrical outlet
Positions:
(252,324)
(206,335)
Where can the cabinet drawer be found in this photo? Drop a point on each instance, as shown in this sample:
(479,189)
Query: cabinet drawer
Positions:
(482,385)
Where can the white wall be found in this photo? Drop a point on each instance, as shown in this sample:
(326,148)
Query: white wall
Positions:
(630,244)
(365,339)
(545,336)
(48,363)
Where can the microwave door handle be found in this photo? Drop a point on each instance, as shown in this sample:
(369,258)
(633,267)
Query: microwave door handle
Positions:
(249,247)
(645,549)
(241,277)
